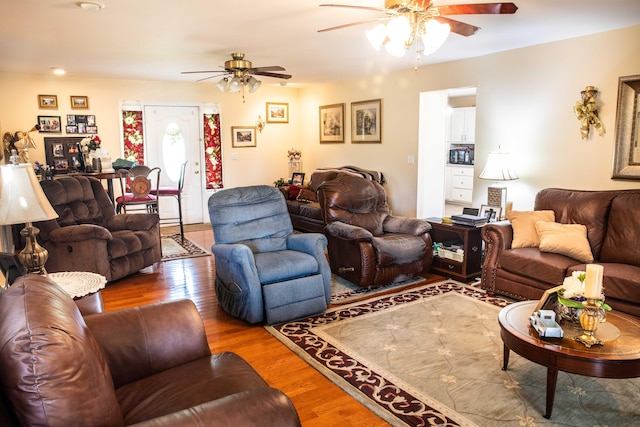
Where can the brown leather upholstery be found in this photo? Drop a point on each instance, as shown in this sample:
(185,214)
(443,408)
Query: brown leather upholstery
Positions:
(89,236)
(367,245)
(613,231)
(149,365)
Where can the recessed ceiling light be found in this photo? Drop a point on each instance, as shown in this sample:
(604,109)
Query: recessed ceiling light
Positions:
(58,71)
(91,5)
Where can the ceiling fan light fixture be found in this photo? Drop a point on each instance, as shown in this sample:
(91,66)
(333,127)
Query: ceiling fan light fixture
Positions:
(254,84)
(222,84)
(235,85)
(377,35)
(435,35)
(399,29)
(395,48)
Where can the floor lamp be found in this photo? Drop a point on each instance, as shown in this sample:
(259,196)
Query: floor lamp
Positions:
(22,201)
(498,169)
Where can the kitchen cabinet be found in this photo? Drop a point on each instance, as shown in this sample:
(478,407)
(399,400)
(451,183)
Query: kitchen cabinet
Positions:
(462,125)
(459,184)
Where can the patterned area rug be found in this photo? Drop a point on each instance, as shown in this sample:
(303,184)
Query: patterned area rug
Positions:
(173,247)
(343,291)
(432,355)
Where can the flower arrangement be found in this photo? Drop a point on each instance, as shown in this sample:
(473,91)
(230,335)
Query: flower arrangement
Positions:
(92,143)
(294,155)
(572,293)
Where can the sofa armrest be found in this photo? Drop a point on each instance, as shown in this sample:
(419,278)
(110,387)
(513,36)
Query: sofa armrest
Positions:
(79,233)
(159,337)
(497,237)
(348,231)
(405,225)
(141,222)
(256,407)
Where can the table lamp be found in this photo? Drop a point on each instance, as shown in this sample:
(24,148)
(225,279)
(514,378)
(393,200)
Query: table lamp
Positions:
(498,168)
(22,201)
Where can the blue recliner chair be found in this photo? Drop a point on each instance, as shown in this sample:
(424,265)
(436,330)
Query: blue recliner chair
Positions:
(263,270)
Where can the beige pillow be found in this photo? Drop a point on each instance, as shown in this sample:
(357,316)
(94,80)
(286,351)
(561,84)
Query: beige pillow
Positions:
(565,239)
(524,227)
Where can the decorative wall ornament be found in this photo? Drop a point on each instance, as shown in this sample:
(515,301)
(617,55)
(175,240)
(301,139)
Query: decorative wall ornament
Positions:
(586,111)
(260,124)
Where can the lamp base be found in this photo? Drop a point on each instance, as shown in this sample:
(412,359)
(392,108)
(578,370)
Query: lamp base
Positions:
(497,196)
(33,257)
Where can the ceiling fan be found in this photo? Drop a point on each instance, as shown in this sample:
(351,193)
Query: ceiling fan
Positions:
(238,73)
(414,20)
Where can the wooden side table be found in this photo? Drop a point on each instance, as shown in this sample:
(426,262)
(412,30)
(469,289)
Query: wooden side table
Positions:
(471,240)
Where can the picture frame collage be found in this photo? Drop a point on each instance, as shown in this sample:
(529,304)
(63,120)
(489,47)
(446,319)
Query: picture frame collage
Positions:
(64,154)
(366,122)
(83,124)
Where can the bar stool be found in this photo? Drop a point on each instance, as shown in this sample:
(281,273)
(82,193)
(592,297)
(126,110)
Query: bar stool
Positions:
(177,193)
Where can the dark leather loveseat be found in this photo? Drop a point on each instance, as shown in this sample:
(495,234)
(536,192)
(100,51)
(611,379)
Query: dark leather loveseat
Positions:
(144,366)
(612,221)
(302,201)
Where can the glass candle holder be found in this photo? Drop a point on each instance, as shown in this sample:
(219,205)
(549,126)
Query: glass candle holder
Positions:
(589,320)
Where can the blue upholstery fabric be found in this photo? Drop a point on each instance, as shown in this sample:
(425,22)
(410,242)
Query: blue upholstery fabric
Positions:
(263,270)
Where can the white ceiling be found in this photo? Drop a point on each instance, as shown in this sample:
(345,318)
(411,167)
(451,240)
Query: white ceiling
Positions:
(157,39)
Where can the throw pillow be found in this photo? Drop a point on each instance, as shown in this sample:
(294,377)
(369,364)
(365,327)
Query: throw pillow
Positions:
(307,196)
(294,190)
(524,227)
(565,239)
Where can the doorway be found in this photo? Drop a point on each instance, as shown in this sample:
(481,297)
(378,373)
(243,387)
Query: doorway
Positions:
(173,135)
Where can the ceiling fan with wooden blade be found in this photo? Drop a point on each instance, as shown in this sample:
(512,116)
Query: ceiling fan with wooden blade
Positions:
(425,10)
(239,67)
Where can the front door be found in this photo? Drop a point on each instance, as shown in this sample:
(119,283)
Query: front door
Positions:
(172,134)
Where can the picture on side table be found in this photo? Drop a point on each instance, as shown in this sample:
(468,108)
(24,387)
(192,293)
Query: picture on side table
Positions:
(366,121)
(277,112)
(243,136)
(332,123)
(48,101)
(297,178)
(492,213)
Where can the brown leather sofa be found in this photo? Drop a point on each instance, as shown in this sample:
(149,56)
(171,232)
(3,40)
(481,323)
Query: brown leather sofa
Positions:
(89,236)
(612,220)
(367,245)
(144,366)
(302,201)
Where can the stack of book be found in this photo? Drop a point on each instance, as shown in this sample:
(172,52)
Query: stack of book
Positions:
(471,220)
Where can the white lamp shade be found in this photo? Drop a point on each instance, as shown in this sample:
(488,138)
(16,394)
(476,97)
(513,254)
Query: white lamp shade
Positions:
(222,84)
(235,85)
(498,167)
(377,35)
(254,84)
(399,29)
(395,48)
(21,197)
(435,35)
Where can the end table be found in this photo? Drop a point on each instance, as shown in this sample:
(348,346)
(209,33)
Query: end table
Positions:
(84,287)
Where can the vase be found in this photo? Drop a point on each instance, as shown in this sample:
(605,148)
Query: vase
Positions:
(590,318)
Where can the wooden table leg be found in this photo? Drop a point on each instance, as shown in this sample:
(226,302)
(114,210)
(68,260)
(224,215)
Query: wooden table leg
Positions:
(505,357)
(552,379)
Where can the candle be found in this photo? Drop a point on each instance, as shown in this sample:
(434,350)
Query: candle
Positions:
(593,281)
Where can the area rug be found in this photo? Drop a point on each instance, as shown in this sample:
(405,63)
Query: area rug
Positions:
(343,291)
(173,247)
(432,355)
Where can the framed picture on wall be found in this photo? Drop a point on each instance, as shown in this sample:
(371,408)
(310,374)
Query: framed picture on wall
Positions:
(50,124)
(332,123)
(79,102)
(277,112)
(48,101)
(243,136)
(366,121)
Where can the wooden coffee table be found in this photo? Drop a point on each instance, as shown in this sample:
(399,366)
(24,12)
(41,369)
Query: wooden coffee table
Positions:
(619,357)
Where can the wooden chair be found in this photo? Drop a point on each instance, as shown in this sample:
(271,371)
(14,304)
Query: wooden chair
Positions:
(173,192)
(136,185)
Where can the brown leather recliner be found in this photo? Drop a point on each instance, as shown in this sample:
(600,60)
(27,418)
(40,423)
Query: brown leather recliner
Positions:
(144,366)
(89,236)
(367,245)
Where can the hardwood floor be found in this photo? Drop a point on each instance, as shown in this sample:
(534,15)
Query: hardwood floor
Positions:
(318,401)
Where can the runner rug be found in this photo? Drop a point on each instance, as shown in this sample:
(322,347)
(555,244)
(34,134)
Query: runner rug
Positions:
(432,355)
(174,247)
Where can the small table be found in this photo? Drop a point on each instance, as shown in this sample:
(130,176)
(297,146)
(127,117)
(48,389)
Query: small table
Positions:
(84,287)
(471,240)
(619,357)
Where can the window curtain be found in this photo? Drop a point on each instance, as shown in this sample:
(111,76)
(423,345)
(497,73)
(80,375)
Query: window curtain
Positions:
(212,151)
(133,135)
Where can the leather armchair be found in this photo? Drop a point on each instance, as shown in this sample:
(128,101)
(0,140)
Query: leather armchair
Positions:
(263,270)
(367,245)
(89,236)
(143,366)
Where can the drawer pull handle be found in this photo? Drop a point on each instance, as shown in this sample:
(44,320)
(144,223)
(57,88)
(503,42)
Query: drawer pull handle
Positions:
(450,267)
(474,249)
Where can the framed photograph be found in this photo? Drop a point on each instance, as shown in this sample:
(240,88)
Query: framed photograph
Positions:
(243,136)
(297,178)
(548,299)
(277,112)
(492,213)
(332,123)
(366,121)
(64,154)
(48,101)
(50,124)
(79,102)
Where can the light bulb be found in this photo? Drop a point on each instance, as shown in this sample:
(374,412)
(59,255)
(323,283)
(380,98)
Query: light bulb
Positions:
(435,35)
(399,29)
(377,35)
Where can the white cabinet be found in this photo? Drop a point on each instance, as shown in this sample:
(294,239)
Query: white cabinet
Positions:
(462,126)
(459,184)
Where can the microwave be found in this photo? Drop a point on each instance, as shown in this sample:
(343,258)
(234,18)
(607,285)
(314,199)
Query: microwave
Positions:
(461,156)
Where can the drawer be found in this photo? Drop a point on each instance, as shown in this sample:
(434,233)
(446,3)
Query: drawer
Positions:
(447,265)
(458,171)
(464,182)
(461,195)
